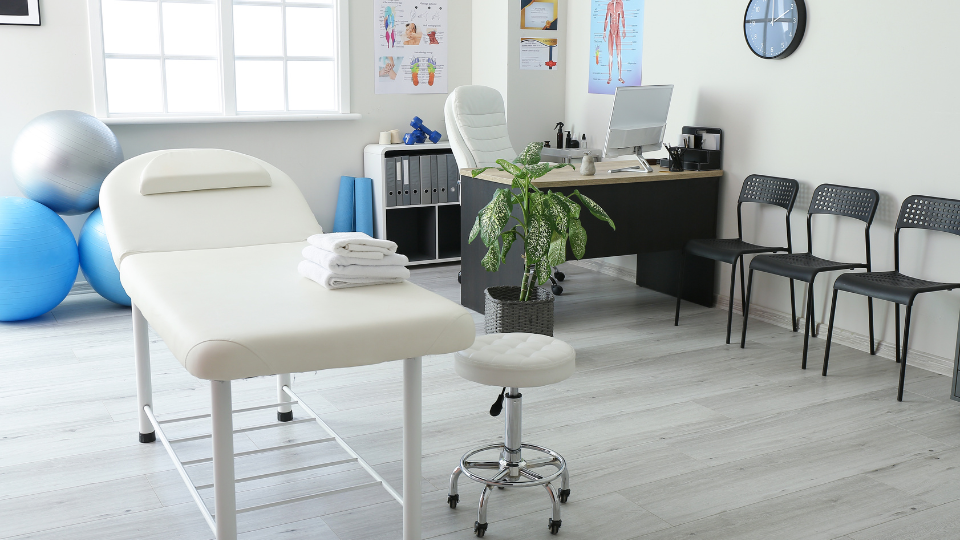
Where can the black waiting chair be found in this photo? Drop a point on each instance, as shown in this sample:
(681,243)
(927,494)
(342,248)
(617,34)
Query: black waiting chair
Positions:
(917,212)
(851,202)
(771,190)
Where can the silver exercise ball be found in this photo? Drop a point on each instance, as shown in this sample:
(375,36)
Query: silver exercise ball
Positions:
(61,158)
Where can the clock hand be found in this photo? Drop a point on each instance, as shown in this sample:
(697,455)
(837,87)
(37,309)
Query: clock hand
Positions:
(781,15)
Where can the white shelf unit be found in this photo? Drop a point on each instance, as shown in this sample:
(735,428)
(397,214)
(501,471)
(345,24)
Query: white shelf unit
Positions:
(426,233)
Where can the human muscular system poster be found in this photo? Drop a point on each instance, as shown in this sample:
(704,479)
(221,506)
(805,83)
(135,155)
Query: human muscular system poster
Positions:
(616,44)
(410,46)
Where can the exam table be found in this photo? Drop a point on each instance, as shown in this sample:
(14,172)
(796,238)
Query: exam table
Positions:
(207,242)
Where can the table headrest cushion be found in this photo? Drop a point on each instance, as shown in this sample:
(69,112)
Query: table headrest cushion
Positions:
(200,169)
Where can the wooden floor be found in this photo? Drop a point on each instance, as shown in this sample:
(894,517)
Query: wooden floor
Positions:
(668,433)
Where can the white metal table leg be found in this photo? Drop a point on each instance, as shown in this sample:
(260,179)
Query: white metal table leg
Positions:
(284,412)
(412,446)
(141,355)
(224,481)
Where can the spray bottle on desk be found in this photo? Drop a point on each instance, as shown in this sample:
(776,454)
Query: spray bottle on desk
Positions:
(559,128)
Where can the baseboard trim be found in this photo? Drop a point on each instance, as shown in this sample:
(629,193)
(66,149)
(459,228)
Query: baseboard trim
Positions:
(861,342)
(599,265)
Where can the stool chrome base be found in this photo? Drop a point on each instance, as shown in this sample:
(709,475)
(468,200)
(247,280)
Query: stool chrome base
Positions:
(513,471)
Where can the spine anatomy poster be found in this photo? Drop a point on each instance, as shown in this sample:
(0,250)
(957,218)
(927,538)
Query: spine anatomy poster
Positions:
(410,46)
(616,44)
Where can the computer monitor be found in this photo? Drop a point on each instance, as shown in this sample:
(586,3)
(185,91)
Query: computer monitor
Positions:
(637,122)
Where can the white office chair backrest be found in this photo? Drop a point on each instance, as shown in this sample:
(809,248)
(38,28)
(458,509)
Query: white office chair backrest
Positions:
(178,200)
(477,127)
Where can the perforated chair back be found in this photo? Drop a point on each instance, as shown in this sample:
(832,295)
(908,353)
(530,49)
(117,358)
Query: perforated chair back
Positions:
(852,202)
(920,212)
(780,192)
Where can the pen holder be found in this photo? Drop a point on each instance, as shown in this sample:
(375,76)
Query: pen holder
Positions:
(676,158)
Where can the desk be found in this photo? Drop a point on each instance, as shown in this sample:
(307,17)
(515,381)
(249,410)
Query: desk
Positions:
(655,213)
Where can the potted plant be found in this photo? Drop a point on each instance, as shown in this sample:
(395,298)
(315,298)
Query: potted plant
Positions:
(547,222)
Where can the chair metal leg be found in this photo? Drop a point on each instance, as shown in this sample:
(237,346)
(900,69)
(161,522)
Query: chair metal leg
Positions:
(826,351)
(733,284)
(485,498)
(806,329)
(412,446)
(676,318)
(284,412)
(746,310)
(813,316)
(743,290)
(141,355)
(793,306)
(224,481)
(873,346)
(896,320)
(903,357)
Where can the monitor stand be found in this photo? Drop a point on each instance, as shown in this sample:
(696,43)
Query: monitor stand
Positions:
(643,167)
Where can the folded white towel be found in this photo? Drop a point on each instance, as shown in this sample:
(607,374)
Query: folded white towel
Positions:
(353,244)
(352,265)
(324,277)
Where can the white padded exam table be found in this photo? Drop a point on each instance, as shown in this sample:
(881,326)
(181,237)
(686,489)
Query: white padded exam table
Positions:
(207,243)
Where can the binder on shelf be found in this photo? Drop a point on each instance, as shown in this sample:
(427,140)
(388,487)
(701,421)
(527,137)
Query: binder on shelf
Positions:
(424,179)
(414,180)
(399,171)
(434,178)
(390,180)
(441,182)
(406,182)
(453,179)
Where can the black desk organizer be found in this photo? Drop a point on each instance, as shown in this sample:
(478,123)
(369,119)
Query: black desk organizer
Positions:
(698,159)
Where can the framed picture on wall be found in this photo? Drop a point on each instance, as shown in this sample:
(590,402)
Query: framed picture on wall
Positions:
(24,12)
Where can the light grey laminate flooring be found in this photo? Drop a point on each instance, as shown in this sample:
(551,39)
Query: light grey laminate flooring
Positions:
(668,432)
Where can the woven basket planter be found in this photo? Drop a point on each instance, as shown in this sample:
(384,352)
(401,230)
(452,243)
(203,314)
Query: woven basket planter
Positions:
(506,314)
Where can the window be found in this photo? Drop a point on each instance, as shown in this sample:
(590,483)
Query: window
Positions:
(219,58)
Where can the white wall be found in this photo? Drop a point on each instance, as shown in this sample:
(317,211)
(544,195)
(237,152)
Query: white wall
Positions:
(869,99)
(48,67)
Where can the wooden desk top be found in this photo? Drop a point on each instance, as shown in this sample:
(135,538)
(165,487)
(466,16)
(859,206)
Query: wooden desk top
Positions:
(567,177)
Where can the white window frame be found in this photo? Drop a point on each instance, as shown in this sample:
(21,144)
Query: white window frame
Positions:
(227,73)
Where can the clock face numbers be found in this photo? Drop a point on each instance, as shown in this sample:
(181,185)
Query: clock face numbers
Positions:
(773,28)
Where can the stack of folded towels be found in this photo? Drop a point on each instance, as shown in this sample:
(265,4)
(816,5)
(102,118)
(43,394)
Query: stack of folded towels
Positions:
(352,259)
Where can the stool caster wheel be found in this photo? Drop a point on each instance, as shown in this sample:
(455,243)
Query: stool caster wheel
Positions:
(563,495)
(501,487)
(452,500)
(559,275)
(554,526)
(557,290)
(481,529)
(460,277)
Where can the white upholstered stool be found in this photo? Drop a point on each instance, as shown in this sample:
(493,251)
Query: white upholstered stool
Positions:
(514,361)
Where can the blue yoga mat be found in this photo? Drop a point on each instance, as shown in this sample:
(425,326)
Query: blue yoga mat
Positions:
(345,219)
(364,195)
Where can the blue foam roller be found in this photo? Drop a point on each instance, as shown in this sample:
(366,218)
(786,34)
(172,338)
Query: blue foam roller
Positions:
(38,259)
(344,219)
(364,194)
(97,261)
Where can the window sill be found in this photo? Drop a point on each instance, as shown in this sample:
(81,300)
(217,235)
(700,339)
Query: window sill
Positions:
(120,120)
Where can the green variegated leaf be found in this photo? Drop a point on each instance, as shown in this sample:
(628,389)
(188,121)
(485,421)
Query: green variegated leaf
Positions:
(558,250)
(493,217)
(509,238)
(511,168)
(491,261)
(578,239)
(537,240)
(595,209)
(477,172)
(539,169)
(542,273)
(475,230)
(555,213)
(536,204)
(572,208)
(530,154)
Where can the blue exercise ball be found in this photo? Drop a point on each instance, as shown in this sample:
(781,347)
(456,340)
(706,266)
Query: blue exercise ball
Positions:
(38,259)
(61,158)
(97,261)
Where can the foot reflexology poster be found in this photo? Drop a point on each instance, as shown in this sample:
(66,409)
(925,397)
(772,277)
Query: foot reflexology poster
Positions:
(410,46)
(616,44)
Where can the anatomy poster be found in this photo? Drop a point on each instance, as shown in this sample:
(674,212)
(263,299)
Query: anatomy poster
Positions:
(410,46)
(616,44)
(538,14)
(538,54)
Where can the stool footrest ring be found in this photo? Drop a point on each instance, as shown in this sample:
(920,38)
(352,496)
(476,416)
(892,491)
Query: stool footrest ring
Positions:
(532,479)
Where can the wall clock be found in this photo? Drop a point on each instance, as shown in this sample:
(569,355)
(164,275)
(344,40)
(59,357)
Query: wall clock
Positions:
(774,28)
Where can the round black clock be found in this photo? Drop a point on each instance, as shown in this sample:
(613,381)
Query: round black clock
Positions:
(774,28)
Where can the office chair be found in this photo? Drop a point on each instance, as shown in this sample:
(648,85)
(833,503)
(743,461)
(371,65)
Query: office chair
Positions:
(851,202)
(917,212)
(759,189)
(476,122)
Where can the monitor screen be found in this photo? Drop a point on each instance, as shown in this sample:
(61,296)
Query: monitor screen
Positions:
(638,120)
